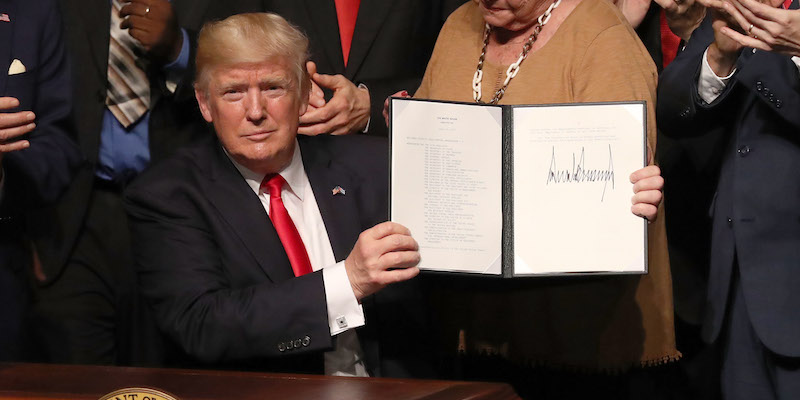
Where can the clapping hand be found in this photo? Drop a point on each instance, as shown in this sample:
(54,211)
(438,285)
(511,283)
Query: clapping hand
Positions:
(683,16)
(765,27)
(724,51)
(13,126)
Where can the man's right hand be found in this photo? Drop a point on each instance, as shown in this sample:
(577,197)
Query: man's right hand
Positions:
(723,53)
(154,24)
(13,126)
(383,254)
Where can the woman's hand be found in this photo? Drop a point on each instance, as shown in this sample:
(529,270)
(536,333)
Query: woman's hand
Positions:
(403,94)
(647,186)
(769,28)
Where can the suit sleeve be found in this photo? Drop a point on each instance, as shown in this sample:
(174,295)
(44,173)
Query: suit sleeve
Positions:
(38,174)
(177,80)
(379,90)
(184,272)
(681,111)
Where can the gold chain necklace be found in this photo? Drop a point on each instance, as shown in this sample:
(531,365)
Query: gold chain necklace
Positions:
(513,69)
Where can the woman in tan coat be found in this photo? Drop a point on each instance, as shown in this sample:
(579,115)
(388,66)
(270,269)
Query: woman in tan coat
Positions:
(565,51)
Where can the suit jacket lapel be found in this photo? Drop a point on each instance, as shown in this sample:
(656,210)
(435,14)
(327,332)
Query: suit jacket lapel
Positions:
(341,217)
(339,212)
(6,41)
(242,209)
(371,15)
(326,30)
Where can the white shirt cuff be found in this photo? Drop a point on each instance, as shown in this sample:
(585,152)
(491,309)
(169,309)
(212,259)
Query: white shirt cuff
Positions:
(366,128)
(796,61)
(344,312)
(709,86)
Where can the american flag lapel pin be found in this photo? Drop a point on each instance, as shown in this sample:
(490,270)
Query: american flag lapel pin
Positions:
(338,190)
(4,17)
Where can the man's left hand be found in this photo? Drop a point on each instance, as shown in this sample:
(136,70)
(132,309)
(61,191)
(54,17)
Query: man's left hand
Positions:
(154,24)
(766,26)
(13,126)
(346,112)
(683,16)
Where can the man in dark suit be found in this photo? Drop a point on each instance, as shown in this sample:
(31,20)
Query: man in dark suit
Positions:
(36,155)
(381,46)
(258,249)
(133,105)
(750,98)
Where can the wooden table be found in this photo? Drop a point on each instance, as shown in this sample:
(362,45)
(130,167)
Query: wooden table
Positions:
(62,382)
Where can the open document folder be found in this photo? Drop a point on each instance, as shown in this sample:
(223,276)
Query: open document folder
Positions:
(519,190)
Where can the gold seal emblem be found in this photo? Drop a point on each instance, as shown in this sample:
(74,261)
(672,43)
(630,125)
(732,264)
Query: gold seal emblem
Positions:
(138,394)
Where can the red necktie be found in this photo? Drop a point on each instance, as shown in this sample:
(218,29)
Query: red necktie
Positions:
(669,41)
(346,13)
(287,232)
(787,3)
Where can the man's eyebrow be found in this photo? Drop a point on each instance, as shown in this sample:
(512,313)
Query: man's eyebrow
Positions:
(275,80)
(232,85)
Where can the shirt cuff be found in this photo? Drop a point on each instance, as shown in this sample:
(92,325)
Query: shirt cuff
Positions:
(366,127)
(796,61)
(344,312)
(709,86)
(175,69)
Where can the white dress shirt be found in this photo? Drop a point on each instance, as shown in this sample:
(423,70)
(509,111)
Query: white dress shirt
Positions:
(710,85)
(344,312)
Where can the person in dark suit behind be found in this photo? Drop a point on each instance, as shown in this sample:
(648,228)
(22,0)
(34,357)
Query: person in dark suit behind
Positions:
(364,51)
(750,99)
(133,105)
(227,233)
(689,180)
(37,157)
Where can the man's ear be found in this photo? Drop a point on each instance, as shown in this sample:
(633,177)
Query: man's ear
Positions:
(202,101)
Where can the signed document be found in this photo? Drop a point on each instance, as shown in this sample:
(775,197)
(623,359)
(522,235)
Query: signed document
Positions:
(519,190)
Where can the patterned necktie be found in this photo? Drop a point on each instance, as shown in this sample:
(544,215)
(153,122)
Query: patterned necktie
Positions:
(128,96)
(346,14)
(287,232)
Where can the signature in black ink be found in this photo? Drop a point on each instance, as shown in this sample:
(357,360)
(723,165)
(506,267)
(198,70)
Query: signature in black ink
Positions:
(579,173)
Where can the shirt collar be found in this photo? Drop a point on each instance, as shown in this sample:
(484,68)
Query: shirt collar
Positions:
(294,174)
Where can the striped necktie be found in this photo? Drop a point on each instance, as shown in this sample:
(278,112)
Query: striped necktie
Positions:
(128,96)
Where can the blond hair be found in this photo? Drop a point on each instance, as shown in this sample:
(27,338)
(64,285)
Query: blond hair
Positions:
(252,38)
